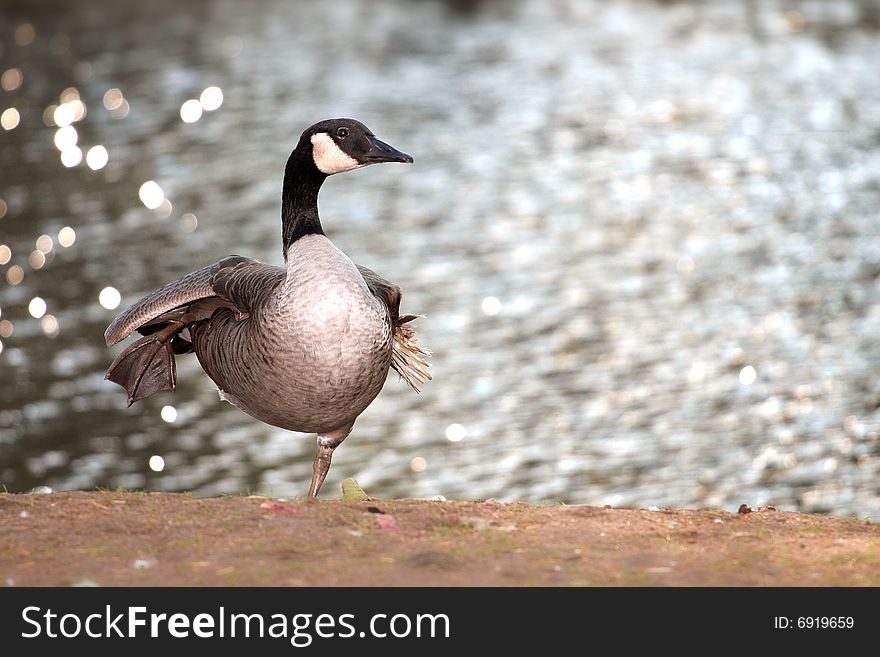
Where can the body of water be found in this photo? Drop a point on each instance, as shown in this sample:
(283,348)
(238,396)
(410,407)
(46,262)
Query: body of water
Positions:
(645,236)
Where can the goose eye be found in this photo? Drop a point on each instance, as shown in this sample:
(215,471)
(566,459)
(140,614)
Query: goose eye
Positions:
(342,133)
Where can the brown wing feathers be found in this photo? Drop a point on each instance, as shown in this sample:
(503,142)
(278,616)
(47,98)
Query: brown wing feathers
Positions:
(195,285)
(147,366)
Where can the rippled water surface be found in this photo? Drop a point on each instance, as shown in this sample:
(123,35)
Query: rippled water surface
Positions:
(645,236)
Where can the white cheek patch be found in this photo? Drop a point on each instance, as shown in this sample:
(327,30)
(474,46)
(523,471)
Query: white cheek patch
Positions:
(328,157)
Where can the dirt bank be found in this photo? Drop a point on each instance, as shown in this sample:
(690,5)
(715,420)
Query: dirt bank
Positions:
(130,538)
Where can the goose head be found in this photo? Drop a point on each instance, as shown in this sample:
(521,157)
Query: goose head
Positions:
(339,145)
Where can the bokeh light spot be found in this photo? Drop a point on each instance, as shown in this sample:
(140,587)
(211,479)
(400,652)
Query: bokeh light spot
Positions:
(151,194)
(211,99)
(49,324)
(66,137)
(25,34)
(191,111)
(684,265)
(169,413)
(490,306)
(113,99)
(122,111)
(69,95)
(66,236)
(37,307)
(49,116)
(69,112)
(455,433)
(37,259)
(165,208)
(110,298)
(10,118)
(11,79)
(14,275)
(72,156)
(44,243)
(97,157)
(189,222)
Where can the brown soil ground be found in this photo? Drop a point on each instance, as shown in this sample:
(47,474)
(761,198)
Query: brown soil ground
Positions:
(126,538)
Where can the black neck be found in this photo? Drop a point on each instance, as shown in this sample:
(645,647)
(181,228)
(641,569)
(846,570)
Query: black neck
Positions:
(299,198)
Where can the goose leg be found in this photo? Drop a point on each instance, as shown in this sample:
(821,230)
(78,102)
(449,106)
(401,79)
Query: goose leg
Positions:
(320,468)
(327,442)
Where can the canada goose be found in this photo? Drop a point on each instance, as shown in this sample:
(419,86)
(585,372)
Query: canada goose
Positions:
(305,346)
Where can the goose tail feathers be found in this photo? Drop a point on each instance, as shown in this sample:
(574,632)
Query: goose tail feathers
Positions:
(408,358)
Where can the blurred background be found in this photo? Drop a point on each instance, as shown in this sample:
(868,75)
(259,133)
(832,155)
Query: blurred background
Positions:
(644,234)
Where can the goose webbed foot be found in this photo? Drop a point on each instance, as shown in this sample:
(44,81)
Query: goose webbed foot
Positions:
(147,366)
